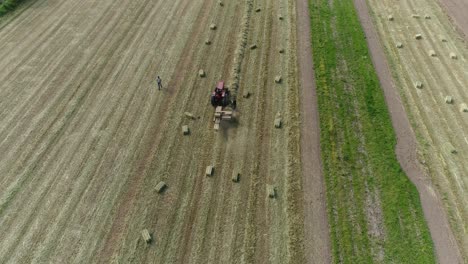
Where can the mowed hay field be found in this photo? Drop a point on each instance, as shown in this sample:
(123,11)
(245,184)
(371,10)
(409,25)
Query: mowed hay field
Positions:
(85,135)
(441,127)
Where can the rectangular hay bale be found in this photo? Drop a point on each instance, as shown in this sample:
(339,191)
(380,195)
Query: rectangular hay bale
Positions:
(189,115)
(209,170)
(271,190)
(418,36)
(160,187)
(418,84)
(235,177)
(278,122)
(463,107)
(185,130)
(146,236)
(453,55)
(448,99)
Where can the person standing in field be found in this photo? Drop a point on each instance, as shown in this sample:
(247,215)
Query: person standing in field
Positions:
(159,81)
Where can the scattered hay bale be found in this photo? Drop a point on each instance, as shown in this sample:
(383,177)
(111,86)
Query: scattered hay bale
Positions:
(258,9)
(220,3)
(427,16)
(253,46)
(189,115)
(453,56)
(418,36)
(271,190)
(278,79)
(399,45)
(463,107)
(213,26)
(209,170)
(418,84)
(146,236)
(235,177)
(448,99)
(185,130)
(280,17)
(208,42)
(246,94)
(160,187)
(415,16)
(281,50)
(278,122)
(390,18)
(432,53)
(201,73)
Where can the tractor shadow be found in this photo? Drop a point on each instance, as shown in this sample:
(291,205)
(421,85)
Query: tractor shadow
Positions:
(227,126)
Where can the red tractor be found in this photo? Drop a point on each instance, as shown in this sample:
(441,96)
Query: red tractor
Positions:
(221,98)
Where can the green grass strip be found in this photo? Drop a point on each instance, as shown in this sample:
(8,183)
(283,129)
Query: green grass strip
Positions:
(357,142)
(8,5)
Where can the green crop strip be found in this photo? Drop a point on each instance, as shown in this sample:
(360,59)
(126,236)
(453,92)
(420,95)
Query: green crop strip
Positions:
(8,5)
(374,210)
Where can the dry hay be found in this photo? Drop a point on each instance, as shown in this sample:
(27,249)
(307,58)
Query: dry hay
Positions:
(213,26)
(189,115)
(146,235)
(185,130)
(160,187)
(253,46)
(278,79)
(235,177)
(207,42)
(399,45)
(453,56)
(448,99)
(390,18)
(258,9)
(278,122)
(418,84)
(418,36)
(463,107)
(209,170)
(271,190)
(415,16)
(432,53)
(201,73)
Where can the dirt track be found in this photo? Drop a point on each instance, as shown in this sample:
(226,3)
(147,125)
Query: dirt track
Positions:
(457,10)
(317,237)
(88,135)
(436,123)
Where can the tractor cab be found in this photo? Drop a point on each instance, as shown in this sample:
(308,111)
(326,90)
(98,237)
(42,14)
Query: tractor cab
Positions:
(220,95)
